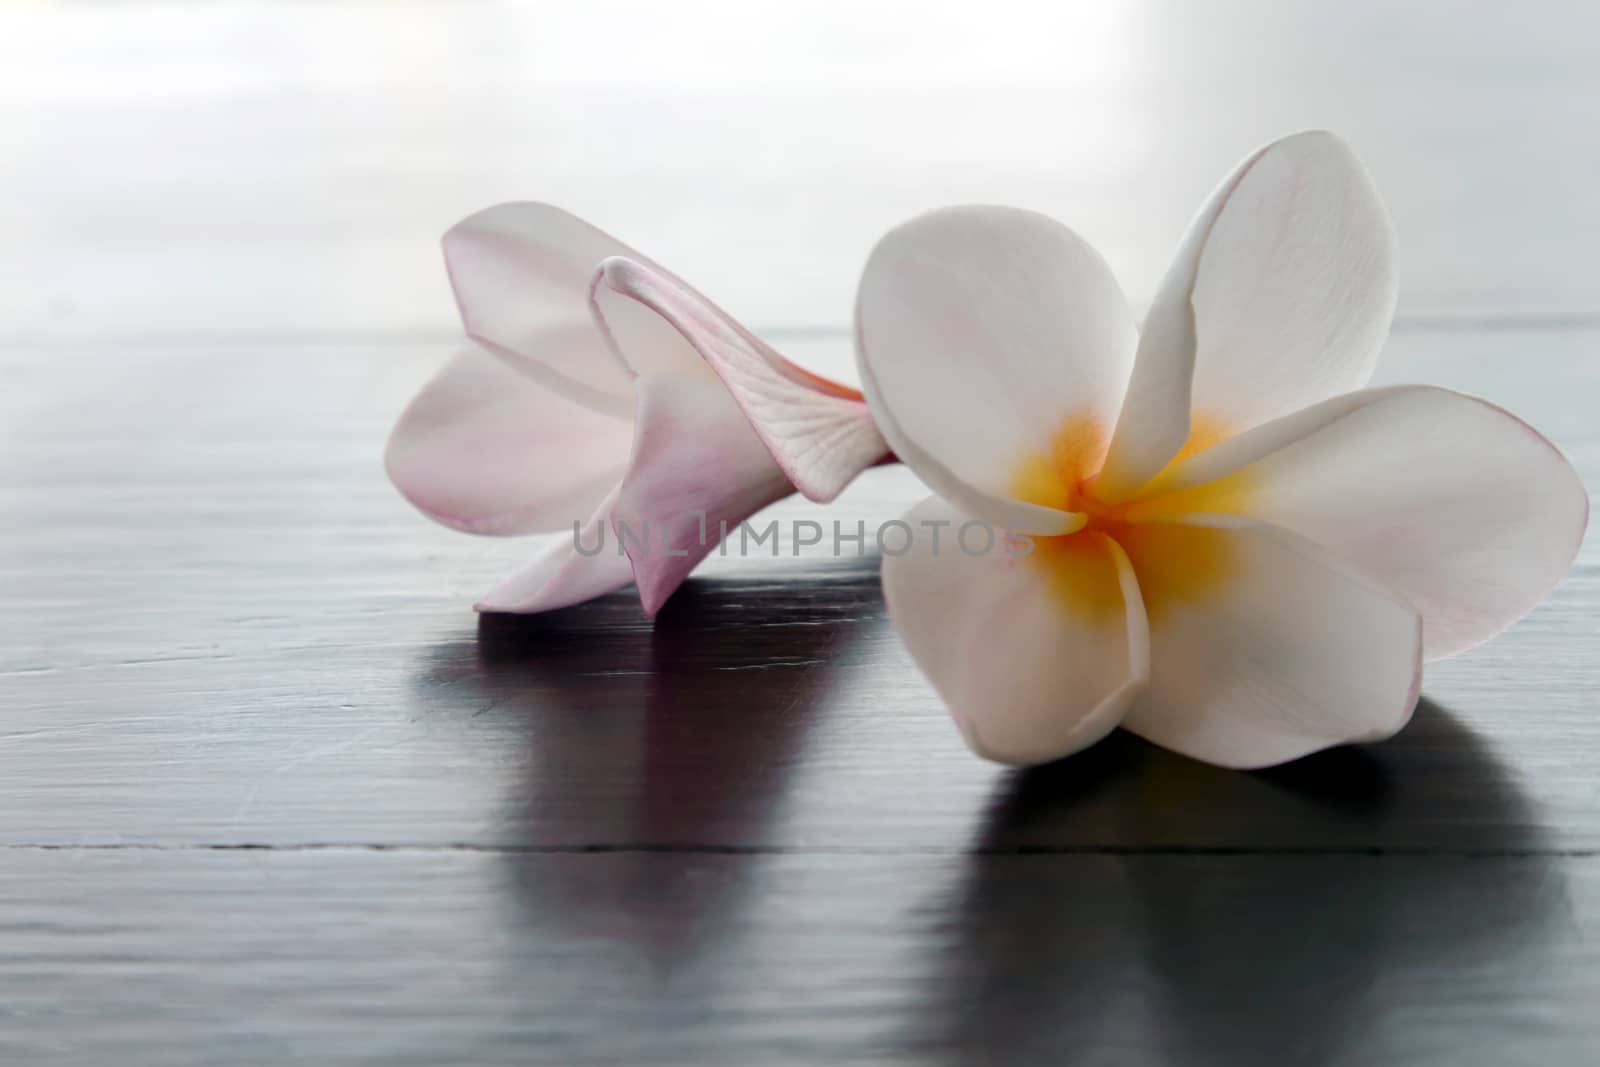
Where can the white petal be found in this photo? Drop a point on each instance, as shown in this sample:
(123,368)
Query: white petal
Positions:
(562,575)
(696,466)
(1035,658)
(522,275)
(1456,504)
(1265,647)
(1225,457)
(983,334)
(1280,296)
(820,433)
(483,449)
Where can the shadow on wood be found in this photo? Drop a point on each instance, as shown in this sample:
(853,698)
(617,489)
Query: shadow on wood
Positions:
(1251,954)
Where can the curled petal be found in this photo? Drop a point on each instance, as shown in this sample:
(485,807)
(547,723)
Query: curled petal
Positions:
(484,450)
(697,468)
(1036,657)
(1457,505)
(1264,647)
(820,433)
(1280,296)
(983,335)
(521,274)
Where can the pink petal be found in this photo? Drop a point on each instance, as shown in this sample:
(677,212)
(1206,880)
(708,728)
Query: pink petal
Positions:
(696,465)
(562,575)
(483,449)
(694,454)
(1280,296)
(820,433)
(521,274)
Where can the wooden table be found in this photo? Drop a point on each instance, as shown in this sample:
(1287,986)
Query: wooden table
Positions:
(272,793)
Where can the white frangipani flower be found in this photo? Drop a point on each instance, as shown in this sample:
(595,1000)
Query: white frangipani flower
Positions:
(1235,555)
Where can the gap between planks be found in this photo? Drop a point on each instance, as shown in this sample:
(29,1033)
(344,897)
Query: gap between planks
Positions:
(1376,851)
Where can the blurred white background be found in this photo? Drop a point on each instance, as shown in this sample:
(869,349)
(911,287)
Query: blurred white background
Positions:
(188,168)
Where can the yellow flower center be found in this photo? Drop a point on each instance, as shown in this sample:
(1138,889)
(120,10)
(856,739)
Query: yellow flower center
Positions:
(1172,562)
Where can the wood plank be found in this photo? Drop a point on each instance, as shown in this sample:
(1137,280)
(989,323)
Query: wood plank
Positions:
(282,166)
(334,957)
(222,626)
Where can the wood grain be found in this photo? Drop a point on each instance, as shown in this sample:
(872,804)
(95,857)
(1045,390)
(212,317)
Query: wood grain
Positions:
(341,956)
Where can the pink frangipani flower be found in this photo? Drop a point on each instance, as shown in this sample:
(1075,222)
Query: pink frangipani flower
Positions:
(598,389)
(1221,540)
